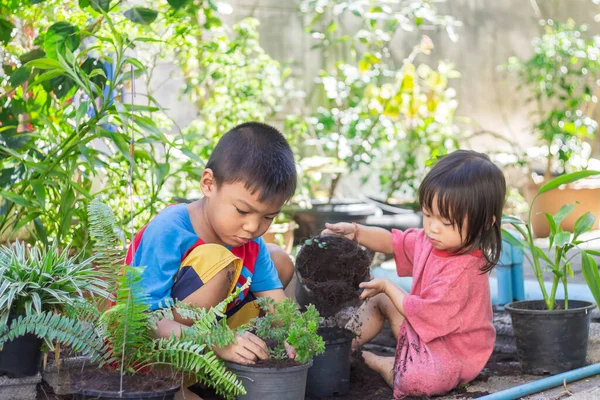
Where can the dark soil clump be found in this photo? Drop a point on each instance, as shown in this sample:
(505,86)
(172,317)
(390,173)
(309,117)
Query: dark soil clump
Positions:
(109,381)
(332,267)
(274,363)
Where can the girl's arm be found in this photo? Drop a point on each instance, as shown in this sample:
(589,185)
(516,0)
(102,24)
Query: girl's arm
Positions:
(391,290)
(373,238)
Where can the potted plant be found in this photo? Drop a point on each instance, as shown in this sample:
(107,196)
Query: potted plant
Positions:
(38,285)
(561,77)
(551,334)
(281,378)
(127,330)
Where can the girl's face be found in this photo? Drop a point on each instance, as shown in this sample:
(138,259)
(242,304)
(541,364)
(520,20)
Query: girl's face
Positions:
(442,234)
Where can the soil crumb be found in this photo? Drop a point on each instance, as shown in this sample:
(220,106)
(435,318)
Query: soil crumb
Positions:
(109,381)
(332,267)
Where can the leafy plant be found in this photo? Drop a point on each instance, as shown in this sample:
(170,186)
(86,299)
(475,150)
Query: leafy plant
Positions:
(128,327)
(285,323)
(561,77)
(64,125)
(38,279)
(560,243)
(367,107)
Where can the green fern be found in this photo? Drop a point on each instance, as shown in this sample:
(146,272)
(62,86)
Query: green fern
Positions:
(194,359)
(79,336)
(127,325)
(108,237)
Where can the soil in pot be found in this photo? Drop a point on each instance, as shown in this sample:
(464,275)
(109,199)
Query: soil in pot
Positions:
(104,385)
(550,342)
(331,268)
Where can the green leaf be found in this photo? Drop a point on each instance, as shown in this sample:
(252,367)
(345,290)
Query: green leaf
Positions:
(593,252)
(541,254)
(552,223)
(40,192)
(562,238)
(84,3)
(563,212)
(41,231)
(589,268)
(24,221)
(6,28)
(177,4)
(19,76)
(141,15)
(567,178)
(15,198)
(44,63)
(584,223)
(60,37)
(99,5)
(96,72)
(507,219)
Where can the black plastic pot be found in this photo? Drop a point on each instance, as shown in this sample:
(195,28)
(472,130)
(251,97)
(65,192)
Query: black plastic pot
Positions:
(330,373)
(550,342)
(272,383)
(311,221)
(22,356)
(85,394)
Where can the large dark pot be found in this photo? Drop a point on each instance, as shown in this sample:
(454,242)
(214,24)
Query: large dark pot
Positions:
(88,394)
(330,373)
(311,221)
(550,342)
(21,356)
(272,383)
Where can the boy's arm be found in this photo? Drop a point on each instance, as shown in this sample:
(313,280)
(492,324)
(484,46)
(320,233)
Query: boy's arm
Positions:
(373,238)
(275,294)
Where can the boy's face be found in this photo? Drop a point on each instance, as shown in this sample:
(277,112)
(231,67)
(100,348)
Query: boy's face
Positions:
(236,214)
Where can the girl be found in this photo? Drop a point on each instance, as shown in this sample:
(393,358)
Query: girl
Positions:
(444,325)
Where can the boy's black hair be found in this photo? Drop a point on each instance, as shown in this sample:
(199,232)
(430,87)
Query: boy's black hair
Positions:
(258,155)
(469,187)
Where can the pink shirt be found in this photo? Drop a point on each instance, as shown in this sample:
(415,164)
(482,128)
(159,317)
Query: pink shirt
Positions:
(447,336)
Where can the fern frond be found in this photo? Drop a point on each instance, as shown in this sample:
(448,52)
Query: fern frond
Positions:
(107,235)
(127,325)
(203,364)
(56,328)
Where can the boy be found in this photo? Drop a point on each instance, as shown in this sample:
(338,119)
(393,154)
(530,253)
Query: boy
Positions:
(200,252)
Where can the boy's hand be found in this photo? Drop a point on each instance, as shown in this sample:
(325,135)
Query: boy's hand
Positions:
(373,287)
(341,228)
(248,349)
(291,352)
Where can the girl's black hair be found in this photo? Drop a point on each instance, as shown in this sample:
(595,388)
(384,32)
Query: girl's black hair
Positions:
(469,187)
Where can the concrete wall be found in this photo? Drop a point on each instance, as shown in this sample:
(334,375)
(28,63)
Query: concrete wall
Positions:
(492,31)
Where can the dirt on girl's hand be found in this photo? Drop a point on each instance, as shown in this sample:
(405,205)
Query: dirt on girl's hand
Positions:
(332,267)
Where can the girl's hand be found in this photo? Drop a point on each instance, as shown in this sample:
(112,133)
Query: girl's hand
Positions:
(341,228)
(373,287)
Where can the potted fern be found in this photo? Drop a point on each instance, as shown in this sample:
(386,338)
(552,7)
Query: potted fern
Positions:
(38,285)
(282,378)
(134,353)
(552,334)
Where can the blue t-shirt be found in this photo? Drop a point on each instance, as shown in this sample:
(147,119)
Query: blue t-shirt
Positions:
(169,237)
